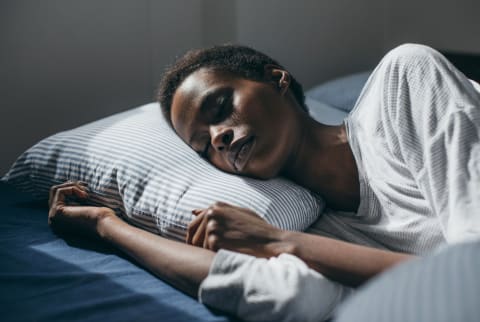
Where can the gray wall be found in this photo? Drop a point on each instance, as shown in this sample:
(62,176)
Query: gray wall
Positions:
(447,24)
(65,62)
(315,40)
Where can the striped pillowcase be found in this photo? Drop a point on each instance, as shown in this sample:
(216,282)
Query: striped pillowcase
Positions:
(135,163)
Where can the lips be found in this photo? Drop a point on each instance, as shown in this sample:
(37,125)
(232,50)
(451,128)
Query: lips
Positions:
(240,151)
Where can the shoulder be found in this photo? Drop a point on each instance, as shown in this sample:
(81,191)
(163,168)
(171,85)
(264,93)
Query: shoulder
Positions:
(411,53)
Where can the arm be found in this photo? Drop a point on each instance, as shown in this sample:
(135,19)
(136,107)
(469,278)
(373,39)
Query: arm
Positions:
(181,265)
(347,263)
(436,120)
(255,289)
(229,227)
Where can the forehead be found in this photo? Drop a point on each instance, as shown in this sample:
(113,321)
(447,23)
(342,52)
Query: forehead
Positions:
(189,95)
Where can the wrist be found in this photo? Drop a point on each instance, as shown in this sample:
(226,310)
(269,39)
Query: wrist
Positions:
(283,244)
(106,219)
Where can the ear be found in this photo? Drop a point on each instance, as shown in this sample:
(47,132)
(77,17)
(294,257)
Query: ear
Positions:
(278,76)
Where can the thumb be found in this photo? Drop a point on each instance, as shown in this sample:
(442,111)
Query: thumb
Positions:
(197,212)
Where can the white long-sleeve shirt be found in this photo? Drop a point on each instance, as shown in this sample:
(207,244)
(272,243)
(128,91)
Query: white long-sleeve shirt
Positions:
(415,136)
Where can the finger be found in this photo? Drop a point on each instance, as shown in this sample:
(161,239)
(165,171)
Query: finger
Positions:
(210,231)
(54,189)
(192,228)
(208,215)
(199,236)
(61,193)
(73,190)
(82,185)
(197,212)
(213,241)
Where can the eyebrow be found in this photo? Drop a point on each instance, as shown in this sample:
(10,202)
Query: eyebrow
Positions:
(205,102)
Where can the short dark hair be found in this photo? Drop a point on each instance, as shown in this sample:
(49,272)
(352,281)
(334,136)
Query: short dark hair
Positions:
(239,60)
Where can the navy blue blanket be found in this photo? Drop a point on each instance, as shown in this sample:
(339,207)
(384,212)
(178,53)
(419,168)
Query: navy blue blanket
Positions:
(45,278)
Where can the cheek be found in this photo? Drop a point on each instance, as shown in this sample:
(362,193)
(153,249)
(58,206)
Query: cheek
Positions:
(266,120)
(254,113)
(272,124)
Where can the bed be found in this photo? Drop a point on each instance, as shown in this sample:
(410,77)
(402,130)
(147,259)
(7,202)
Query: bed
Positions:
(45,278)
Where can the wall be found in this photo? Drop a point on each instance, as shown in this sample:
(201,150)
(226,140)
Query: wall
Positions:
(64,62)
(444,24)
(316,40)
(67,62)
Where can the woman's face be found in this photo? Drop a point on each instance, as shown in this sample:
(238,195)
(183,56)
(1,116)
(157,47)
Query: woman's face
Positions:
(241,126)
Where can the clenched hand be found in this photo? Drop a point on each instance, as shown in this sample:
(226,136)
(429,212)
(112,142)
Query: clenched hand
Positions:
(229,227)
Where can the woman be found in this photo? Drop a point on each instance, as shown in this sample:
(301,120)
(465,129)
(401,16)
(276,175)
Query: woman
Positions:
(406,160)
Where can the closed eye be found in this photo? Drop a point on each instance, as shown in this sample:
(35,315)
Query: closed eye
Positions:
(223,107)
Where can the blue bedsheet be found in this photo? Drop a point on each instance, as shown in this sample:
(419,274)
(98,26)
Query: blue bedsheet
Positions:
(44,278)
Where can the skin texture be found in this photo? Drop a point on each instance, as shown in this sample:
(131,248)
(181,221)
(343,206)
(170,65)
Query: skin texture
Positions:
(238,109)
(181,265)
(283,140)
(286,140)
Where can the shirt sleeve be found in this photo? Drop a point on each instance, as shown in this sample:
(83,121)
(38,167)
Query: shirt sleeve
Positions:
(281,288)
(435,112)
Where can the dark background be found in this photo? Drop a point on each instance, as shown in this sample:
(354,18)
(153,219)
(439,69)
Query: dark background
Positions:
(64,62)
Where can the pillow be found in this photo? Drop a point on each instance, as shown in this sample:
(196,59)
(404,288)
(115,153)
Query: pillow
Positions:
(340,93)
(135,163)
(325,113)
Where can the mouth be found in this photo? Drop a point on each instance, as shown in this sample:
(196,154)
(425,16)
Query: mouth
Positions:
(240,152)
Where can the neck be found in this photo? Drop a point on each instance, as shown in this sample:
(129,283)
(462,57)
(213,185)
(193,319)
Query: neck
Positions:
(323,162)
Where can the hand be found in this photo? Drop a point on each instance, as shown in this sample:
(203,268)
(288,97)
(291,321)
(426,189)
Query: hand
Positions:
(234,228)
(63,217)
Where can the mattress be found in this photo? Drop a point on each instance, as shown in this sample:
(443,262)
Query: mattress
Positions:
(45,278)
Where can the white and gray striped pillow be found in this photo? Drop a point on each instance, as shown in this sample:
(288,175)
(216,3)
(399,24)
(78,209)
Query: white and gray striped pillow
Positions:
(135,163)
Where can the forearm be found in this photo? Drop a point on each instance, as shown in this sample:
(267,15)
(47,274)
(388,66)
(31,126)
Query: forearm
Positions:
(344,262)
(238,229)
(181,265)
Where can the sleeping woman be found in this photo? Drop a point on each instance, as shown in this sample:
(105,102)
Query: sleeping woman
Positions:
(406,162)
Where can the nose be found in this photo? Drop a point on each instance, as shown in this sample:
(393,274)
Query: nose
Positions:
(221,137)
